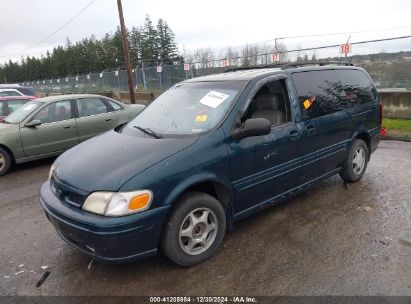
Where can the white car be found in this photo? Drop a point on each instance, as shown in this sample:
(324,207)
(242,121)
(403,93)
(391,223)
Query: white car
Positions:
(10,92)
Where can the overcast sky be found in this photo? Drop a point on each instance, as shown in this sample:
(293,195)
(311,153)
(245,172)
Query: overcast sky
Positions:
(210,23)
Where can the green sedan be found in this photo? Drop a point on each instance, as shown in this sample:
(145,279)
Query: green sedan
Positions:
(48,126)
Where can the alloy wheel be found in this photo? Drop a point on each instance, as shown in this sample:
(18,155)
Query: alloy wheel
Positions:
(198,231)
(358,161)
(2,161)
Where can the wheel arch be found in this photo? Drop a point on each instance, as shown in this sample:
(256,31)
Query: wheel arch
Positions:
(212,186)
(365,136)
(11,154)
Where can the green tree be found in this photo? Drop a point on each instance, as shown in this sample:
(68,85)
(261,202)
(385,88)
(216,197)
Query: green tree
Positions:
(167,48)
(149,44)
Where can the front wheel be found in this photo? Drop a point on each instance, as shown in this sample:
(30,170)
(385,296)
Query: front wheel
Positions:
(356,163)
(5,162)
(194,230)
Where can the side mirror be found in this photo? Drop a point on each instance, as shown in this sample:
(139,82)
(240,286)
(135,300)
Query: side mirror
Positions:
(33,123)
(252,127)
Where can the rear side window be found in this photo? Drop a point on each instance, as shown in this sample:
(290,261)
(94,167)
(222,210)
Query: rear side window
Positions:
(318,93)
(1,108)
(90,106)
(328,91)
(115,106)
(357,87)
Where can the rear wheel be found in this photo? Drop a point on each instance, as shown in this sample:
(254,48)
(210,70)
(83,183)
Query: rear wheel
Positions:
(5,161)
(356,163)
(194,230)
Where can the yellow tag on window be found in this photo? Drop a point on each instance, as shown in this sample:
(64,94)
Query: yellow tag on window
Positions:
(201,118)
(307,104)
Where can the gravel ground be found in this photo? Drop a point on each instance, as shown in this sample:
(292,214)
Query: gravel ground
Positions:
(328,241)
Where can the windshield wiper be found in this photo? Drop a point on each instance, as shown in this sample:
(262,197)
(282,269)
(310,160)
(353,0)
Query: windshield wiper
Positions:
(148,131)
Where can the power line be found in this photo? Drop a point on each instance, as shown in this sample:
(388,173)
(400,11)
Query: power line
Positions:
(53,33)
(322,35)
(343,33)
(354,43)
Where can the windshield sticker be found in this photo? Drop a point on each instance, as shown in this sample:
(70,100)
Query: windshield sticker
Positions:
(308,102)
(201,118)
(29,107)
(213,99)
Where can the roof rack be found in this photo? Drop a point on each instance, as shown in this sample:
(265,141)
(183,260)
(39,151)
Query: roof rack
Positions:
(319,63)
(290,65)
(275,65)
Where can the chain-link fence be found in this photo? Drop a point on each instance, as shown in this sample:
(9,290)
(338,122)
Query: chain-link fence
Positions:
(388,68)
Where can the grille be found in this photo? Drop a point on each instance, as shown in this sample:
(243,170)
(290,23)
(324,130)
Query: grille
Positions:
(66,193)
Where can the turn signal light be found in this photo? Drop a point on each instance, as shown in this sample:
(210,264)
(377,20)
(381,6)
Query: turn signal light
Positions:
(139,202)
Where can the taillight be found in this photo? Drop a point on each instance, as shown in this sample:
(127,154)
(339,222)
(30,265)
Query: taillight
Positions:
(383,130)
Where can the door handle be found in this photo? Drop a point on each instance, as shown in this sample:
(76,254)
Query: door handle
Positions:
(67,127)
(108,119)
(310,129)
(293,134)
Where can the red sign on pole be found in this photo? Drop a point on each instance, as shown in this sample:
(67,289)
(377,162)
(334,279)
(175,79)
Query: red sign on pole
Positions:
(275,57)
(186,67)
(345,48)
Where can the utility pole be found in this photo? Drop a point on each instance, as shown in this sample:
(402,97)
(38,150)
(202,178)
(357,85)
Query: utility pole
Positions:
(126,53)
(347,43)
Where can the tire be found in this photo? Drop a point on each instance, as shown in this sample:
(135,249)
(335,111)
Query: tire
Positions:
(187,238)
(5,162)
(356,162)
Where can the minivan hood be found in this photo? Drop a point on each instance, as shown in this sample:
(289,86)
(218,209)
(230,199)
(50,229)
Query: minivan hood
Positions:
(106,162)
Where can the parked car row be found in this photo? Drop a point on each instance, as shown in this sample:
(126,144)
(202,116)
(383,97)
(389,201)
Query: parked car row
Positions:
(46,127)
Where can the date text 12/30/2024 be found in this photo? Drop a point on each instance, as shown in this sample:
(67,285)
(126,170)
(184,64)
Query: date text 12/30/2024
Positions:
(207,299)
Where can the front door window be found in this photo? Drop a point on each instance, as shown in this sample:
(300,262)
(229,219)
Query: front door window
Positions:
(58,111)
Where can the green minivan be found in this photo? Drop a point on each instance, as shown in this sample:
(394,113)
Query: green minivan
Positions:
(209,152)
(48,126)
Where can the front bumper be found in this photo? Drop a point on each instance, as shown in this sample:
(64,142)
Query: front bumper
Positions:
(107,239)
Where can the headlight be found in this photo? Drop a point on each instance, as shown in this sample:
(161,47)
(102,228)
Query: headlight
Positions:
(51,172)
(118,203)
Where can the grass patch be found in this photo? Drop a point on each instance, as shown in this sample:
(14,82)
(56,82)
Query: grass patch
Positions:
(403,125)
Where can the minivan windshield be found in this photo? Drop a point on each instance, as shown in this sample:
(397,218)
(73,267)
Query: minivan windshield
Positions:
(21,113)
(187,108)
